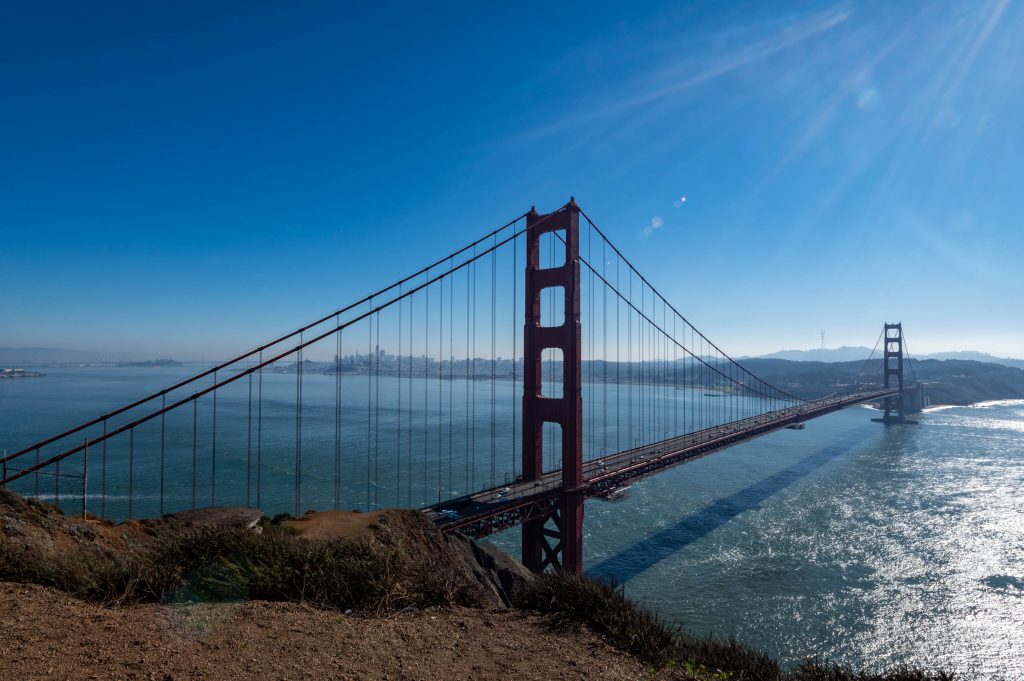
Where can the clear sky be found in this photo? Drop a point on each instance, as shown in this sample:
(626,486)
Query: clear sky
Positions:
(188,179)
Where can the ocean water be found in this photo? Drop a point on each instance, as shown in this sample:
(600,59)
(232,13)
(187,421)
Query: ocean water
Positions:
(868,545)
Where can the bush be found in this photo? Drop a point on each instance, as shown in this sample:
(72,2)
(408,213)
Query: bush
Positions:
(226,564)
(91,576)
(606,611)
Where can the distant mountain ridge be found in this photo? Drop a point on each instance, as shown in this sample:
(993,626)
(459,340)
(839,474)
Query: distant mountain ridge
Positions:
(845,353)
(852,354)
(977,357)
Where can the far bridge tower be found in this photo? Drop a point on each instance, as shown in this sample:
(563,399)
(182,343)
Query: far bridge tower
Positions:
(892,368)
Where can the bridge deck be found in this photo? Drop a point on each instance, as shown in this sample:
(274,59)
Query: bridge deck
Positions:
(495,509)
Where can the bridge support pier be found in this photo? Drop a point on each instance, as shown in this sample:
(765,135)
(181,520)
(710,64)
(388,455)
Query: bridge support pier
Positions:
(554,541)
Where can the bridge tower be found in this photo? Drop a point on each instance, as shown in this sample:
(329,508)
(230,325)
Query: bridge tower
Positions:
(893,370)
(554,539)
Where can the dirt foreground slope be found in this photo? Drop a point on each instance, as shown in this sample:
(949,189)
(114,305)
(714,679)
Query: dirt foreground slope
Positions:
(47,634)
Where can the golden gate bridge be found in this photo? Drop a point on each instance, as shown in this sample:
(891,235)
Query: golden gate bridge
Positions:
(613,384)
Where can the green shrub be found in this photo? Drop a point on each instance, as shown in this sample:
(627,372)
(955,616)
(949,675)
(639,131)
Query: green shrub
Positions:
(606,611)
(226,564)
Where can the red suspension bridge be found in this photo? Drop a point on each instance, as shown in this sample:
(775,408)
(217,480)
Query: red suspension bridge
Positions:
(487,391)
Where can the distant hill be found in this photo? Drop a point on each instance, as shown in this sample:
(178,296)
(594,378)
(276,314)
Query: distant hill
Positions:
(843,354)
(852,354)
(952,381)
(151,363)
(977,357)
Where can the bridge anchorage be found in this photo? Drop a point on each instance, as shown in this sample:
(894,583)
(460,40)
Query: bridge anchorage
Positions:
(387,402)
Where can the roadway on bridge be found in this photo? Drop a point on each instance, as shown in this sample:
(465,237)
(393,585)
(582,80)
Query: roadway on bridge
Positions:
(603,475)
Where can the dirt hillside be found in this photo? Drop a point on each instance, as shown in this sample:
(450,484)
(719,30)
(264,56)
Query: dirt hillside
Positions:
(48,635)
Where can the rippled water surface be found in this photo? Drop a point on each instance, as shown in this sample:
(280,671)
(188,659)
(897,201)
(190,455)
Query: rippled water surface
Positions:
(869,545)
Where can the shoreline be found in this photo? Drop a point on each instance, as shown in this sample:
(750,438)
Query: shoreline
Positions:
(1006,402)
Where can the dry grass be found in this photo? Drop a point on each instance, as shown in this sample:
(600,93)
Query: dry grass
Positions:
(227,564)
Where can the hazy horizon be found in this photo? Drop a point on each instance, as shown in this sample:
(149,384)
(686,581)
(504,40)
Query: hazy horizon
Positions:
(101,355)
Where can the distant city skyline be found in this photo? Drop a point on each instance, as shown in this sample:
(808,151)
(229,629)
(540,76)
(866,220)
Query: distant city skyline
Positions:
(187,181)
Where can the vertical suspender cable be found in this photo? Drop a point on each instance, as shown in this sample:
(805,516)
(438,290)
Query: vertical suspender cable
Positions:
(472,382)
(440,386)
(590,325)
(408,461)
(369,408)
(298,431)
(195,429)
(451,377)
(259,435)
(376,417)
(163,405)
(337,418)
(409,453)
(604,348)
(494,361)
(103,472)
(213,449)
(248,449)
(629,365)
(469,362)
(426,390)
(618,347)
(131,470)
(398,426)
(515,296)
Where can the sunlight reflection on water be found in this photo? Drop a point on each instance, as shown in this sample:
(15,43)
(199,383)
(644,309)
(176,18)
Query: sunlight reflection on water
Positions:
(903,545)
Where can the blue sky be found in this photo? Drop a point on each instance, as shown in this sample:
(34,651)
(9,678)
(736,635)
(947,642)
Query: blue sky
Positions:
(188,179)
